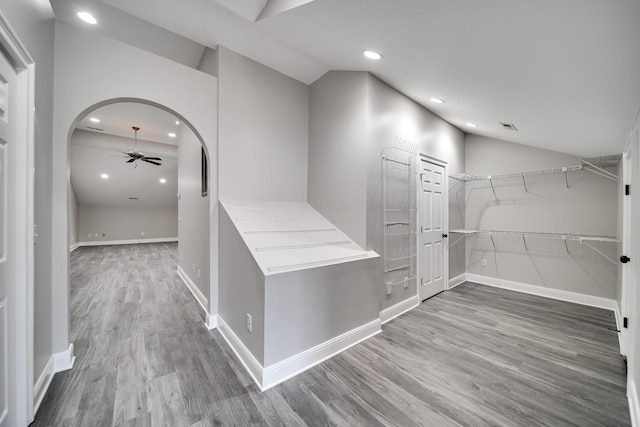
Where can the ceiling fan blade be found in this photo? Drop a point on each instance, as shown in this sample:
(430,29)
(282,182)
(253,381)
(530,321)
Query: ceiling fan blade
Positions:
(130,161)
(152,162)
(153,158)
(125,153)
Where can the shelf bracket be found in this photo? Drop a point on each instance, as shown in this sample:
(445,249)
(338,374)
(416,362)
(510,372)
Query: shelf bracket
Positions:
(566,245)
(492,242)
(524,182)
(566,178)
(600,252)
(457,240)
(524,240)
(599,171)
(492,187)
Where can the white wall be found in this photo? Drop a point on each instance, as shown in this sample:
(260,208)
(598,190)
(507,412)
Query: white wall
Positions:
(263,138)
(74,217)
(123,72)
(113,223)
(33,23)
(588,207)
(392,114)
(354,116)
(338,140)
(193,208)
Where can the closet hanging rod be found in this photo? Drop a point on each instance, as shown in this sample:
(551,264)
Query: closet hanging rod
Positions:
(532,234)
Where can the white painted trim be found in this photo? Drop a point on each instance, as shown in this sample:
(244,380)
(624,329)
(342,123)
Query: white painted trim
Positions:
(247,359)
(574,297)
(400,308)
(634,405)
(74,247)
(212,321)
(458,280)
(618,316)
(128,242)
(64,360)
(199,296)
(288,368)
(265,378)
(42,385)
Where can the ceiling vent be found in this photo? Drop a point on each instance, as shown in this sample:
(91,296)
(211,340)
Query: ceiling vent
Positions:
(92,128)
(133,198)
(509,126)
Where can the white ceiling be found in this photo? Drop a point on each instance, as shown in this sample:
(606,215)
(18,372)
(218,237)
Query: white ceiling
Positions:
(567,73)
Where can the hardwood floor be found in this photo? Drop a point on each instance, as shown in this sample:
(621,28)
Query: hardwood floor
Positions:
(471,356)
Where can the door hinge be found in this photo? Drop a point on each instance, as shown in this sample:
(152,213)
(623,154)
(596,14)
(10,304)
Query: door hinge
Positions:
(625,322)
(627,189)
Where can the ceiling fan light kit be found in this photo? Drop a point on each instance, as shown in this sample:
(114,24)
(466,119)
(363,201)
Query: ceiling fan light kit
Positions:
(137,155)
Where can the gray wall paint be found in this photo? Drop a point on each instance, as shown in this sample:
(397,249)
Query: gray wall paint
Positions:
(338,138)
(242,288)
(354,116)
(74,217)
(193,222)
(33,23)
(263,136)
(588,207)
(392,114)
(209,62)
(123,223)
(306,308)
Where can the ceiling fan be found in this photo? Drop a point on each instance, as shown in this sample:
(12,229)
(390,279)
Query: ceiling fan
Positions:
(137,155)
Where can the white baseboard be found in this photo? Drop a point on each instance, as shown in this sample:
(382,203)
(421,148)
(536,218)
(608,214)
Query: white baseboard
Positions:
(618,315)
(247,359)
(74,247)
(265,378)
(634,405)
(288,368)
(63,361)
(127,242)
(574,297)
(399,308)
(458,280)
(211,321)
(42,385)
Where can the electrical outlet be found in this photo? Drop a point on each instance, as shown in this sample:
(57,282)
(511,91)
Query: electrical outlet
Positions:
(249,323)
(483,263)
(89,235)
(198,274)
(193,268)
(96,235)
(142,233)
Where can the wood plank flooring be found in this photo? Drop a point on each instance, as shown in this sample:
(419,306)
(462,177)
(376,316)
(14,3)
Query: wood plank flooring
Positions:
(472,356)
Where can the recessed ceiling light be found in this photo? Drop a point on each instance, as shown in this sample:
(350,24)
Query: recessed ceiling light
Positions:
(162,180)
(172,135)
(437,100)
(94,120)
(372,55)
(471,125)
(104,176)
(177,122)
(87,17)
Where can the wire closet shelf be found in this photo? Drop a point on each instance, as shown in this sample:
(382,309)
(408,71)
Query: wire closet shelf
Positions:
(399,214)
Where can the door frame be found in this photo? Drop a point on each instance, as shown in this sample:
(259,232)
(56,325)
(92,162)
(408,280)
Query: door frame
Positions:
(24,202)
(445,217)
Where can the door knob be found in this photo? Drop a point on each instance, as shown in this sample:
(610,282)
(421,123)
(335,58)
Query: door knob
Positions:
(445,235)
(624,259)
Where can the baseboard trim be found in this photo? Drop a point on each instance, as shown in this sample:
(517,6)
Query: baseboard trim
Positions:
(618,315)
(288,368)
(634,405)
(458,280)
(589,300)
(211,321)
(128,242)
(64,360)
(250,363)
(42,384)
(265,378)
(74,247)
(400,308)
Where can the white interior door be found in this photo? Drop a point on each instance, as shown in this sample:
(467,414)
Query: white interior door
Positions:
(8,260)
(629,171)
(432,229)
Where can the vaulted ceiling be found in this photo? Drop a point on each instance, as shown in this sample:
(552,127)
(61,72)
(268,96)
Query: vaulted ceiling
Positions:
(566,74)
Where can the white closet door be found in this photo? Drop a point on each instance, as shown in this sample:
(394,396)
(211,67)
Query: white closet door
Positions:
(431,248)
